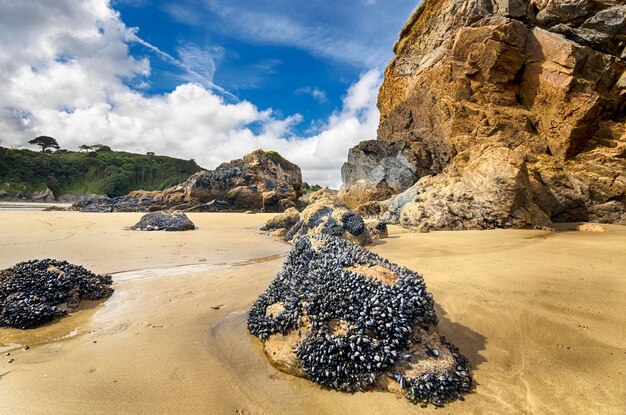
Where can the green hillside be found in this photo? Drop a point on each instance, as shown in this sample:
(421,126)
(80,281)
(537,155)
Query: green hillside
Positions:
(111,173)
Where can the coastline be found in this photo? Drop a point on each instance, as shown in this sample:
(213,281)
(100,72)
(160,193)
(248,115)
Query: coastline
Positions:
(29,206)
(539,314)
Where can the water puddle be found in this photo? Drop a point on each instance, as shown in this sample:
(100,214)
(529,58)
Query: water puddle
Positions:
(169,271)
(77,323)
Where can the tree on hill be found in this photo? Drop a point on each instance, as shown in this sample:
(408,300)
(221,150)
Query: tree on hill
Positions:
(44,142)
(306,188)
(100,148)
(85,147)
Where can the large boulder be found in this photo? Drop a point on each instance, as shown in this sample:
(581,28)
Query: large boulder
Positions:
(261,180)
(377,228)
(325,215)
(376,170)
(36,292)
(285,220)
(164,221)
(350,320)
(512,113)
(492,191)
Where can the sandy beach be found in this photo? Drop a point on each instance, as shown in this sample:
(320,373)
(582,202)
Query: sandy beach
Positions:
(539,314)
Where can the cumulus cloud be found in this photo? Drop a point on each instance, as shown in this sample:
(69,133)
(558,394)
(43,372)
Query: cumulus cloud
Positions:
(66,71)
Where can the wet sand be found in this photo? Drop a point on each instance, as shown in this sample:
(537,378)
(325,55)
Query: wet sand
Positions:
(539,314)
(29,206)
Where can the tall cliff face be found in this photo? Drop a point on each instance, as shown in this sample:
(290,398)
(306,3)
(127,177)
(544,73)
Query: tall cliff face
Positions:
(510,113)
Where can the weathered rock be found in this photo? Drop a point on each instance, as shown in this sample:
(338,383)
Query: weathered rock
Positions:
(590,227)
(164,221)
(324,195)
(335,220)
(103,204)
(376,170)
(493,191)
(260,181)
(325,214)
(279,233)
(36,292)
(393,207)
(474,79)
(212,206)
(285,220)
(350,320)
(45,195)
(371,210)
(377,228)
(609,212)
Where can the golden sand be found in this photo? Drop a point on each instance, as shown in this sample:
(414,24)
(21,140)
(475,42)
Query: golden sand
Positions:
(539,314)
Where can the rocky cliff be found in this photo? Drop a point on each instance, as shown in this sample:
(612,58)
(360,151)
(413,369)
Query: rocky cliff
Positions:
(261,180)
(500,113)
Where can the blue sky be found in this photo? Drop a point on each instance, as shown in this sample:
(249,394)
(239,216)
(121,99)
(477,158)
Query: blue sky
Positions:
(203,79)
(288,55)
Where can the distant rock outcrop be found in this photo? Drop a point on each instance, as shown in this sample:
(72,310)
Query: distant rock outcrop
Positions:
(164,221)
(261,180)
(499,113)
(350,320)
(36,292)
(45,195)
(103,204)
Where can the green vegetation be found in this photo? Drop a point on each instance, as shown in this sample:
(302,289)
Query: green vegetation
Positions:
(103,171)
(408,27)
(307,188)
(272,153)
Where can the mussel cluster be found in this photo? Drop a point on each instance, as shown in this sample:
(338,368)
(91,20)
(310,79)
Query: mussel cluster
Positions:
(348,222)
(318,285)
(33,293)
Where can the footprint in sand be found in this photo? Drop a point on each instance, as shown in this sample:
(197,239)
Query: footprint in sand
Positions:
(178,375)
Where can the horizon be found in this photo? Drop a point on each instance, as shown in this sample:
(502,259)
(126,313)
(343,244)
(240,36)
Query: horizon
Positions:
(198,79)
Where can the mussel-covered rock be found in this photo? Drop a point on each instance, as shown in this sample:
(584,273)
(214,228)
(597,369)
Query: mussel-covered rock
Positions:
(326,215)
(284,220)
(350,320)
(377,228)
(164,221)
(36,292)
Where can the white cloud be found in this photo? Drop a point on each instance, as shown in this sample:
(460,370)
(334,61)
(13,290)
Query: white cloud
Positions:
(65,71)
(271,27)
(317,94)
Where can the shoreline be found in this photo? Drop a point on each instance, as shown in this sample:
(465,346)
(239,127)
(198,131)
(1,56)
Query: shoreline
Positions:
(30,206)
(539,315)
